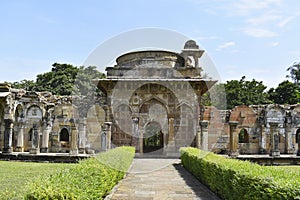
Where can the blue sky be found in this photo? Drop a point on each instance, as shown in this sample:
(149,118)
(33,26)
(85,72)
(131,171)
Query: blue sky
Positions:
(256,38)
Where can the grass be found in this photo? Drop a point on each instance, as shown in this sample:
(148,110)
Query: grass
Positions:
(92,178)
(14,176)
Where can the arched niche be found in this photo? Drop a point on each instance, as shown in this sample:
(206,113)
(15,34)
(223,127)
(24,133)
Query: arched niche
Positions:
(154,110)
(185,126)
(34,114)
(123,119)
(94,119)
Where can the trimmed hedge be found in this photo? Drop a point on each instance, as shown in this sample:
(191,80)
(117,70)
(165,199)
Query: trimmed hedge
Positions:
(92,178)
(235,179)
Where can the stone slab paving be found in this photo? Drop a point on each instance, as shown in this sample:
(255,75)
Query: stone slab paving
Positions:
(159,179)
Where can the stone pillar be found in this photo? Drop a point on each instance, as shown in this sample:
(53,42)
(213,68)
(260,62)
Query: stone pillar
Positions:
(141,142)
(204,135)
(171,147)
(8,132)
(74,141)
(35,149)
(45,139)
(20,138)
(233,151)
(135,134)
(288,139)
(82,135)
(298,139)
(262,141)
(103,138)
(274,139)
(171,130)
(198,138)
(108,134)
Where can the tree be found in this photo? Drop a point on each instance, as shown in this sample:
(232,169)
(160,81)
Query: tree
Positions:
(64,79)
(85,81)
(244,92)
(286,93)
(294,73)
(216,96)
(59,81)
(24,84)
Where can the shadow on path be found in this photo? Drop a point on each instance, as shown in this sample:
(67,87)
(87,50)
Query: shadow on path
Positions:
(202,191)
(159,179)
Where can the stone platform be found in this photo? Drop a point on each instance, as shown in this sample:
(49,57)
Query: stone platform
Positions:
(283,159)
(44,157)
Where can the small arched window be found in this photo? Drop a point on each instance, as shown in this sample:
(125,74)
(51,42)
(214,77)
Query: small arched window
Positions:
(64,135)
(298,136)
(243,136)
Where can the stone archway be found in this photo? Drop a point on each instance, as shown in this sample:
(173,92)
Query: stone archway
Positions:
(243,136)
(153,126)
(64,139)
(298,141)
(153,140)
(1,126)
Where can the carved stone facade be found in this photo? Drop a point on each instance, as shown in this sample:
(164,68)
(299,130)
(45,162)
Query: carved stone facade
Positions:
(154,99)
(151,100)
(39,122)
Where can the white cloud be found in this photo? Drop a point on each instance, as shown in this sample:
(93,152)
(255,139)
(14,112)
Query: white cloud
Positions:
(259,33)
(274,44)
(225,45)
(246,7)
(263,19)
(286,20)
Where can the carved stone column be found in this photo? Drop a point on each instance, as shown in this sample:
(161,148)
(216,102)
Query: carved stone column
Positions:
(82,135)
(262,141)
(8,132)
(298,139)
(20,138)
(171,148)
(35,140)
(171,130)
(103,138)
(108,134)
(204,135)
(233,151)
(198,138)
(288,139)
(135,134)
(274,139)
(45,138)
(74,140)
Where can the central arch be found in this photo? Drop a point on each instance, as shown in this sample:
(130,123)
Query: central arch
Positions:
(154,126)
(153,140)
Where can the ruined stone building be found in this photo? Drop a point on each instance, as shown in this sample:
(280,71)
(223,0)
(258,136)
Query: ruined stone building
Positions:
(151,100)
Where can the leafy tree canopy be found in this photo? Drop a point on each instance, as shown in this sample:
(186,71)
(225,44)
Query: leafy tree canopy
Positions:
(294,71)
(24,84)
(64,79)
(244,92)
(286,93)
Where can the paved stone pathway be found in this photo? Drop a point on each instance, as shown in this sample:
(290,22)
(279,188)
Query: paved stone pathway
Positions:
(159,179)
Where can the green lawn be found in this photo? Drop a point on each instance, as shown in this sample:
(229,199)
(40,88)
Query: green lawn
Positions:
(288,168)
(15,175)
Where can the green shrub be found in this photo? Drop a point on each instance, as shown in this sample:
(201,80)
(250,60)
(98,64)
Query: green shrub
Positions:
(235,179)
(92,178)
